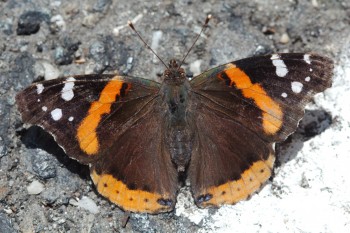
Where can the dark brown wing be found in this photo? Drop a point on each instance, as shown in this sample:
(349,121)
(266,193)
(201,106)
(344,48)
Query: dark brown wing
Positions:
(244,107)
(100,120)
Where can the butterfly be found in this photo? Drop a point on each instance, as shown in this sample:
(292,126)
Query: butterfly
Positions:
(140,137)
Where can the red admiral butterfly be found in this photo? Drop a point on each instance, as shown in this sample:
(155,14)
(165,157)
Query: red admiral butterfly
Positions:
(140,136)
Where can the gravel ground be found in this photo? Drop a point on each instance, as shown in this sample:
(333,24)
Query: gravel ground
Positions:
(42,190)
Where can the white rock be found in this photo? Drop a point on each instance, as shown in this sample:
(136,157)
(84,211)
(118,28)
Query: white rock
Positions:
(284,38)
(35,188)
(59,22)
(46,69)
(157,35)
(85,203)
(195,67)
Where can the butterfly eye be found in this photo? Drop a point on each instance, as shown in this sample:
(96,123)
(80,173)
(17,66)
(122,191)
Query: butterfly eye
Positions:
(166,73)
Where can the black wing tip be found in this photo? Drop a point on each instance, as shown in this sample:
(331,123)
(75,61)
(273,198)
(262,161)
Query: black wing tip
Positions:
(326,70)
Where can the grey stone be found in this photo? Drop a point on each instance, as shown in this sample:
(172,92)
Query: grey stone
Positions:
(64,54)
(43,164)
(59,55)
(5,224)
(6,27)
(50,195)
(29,22)
(3,147)
(102,5)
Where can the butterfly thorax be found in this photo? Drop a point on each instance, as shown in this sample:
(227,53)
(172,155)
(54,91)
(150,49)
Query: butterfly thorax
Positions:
(175,92)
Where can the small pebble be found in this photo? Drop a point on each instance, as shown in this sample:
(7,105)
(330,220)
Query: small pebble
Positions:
(29,22)
(6,27)
(97,50)
(35,188)
(116,30)
(57,23)
(284,38)
(157,35)
(43,165)
(59,55)
(8,211)
(102,5)
(90,20)
(50,71)
(128,65)
(85,203)
(195,67)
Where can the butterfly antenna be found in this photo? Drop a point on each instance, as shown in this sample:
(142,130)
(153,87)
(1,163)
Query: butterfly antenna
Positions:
(147,46)
(203,28)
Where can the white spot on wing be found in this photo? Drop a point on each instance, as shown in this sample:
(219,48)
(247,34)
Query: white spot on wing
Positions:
(56,114)
(38,100)
(281,68)
(297,87)
(284,95)
(71,118)
(39,88)
(44,108)
(307,79)
(307,58)
(67,92)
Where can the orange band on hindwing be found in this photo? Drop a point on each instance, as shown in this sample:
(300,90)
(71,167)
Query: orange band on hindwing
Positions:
(233,191)
(86,134)
(272,116)
(129,200)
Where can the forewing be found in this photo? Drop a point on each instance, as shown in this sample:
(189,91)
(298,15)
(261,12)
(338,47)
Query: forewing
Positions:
(77,110)
(268,93)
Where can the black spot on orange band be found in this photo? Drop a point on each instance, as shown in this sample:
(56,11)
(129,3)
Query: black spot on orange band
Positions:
(131,200)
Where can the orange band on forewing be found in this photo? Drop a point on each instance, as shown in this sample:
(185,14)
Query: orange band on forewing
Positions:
(272,114)
(234,191)
(129,200)
(86,135)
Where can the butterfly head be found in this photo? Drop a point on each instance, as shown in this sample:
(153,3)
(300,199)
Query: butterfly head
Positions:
(174,74)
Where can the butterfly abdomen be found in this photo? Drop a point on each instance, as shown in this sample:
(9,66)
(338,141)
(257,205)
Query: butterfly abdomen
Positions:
(179,136)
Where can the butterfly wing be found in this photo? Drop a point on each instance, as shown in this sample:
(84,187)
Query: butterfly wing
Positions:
(101,121)
(244,107)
